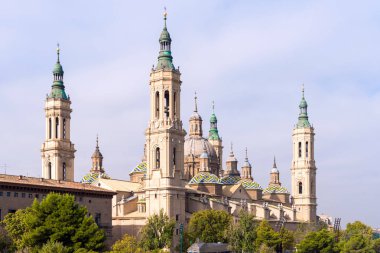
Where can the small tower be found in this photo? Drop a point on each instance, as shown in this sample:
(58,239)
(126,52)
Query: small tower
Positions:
(204,161)
(165,136)
(231,165)
(246,170)
(274,174)
(97,160)
(195,122)
(303,167)
(57,151)
(215,140)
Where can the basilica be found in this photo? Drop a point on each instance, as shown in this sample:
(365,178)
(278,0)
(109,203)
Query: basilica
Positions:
(182,170)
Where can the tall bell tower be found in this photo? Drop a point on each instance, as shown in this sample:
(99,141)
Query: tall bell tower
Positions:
(57,151)
(303,167)
(164,183)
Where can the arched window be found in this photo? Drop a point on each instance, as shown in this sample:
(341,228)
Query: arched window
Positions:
(175,104)
(167,103)
(299,149)
(64,128)
(157,104)
(56,127)
(49,171)
(50,128)
(300,187)
(174,156)
(307,149)
(64,171)
(157,158)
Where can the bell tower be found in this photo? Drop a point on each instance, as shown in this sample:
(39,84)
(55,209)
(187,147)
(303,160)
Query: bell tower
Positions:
(165,139)
(215,139)
(57,151)
(303,167)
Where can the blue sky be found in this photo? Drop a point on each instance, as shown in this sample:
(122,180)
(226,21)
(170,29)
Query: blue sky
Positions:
(251,57)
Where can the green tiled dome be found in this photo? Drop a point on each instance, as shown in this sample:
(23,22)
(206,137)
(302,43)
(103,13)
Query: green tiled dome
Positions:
(230,180)
(275,189)
(205,178)
(251,185)
(141,167)
(91,177)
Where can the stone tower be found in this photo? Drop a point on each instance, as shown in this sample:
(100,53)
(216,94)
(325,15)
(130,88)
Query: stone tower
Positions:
(303,167)
(215,140)
(246,169)
(97,159)
(274,174)
(165,139)
(57,151)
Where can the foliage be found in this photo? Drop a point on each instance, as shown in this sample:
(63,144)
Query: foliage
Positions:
(6,243)
(266,235)
(318,241)
(357,238)
(127,244)
(51,246)
(243,234)
(266,249)
(286,239)
(376,245)
(56,218)
(209,226)
(157,232)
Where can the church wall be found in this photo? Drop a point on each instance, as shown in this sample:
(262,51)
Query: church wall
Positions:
(255,194)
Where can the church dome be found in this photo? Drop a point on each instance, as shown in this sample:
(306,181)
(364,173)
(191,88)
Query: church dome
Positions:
(205,178)
(251,185)
(195,145)
(227,180)
(275,189)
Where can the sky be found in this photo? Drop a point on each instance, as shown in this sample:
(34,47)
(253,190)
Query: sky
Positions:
(250,57)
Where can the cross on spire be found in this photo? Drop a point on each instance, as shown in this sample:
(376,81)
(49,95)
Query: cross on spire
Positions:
(195,101)
(58,50)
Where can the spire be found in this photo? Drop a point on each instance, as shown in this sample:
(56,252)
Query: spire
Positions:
(274,174)
(246,161)
(165,59)
(195,102)
(213,132)
(58,89)
(274,168)
(303,119)
(97,158)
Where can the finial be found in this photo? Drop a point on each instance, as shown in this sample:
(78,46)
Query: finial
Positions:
(58,49)
(232,147)
(97,141)
(303,91)
(195,101)
(165,15)
(246,153)
(274,162)
(213,107)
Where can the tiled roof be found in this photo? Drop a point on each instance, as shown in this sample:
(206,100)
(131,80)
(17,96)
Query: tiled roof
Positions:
(230,180)
(251,185)
(50,183)
(118,185)
(205,178)
(141,167)
(91,177)
(275,189)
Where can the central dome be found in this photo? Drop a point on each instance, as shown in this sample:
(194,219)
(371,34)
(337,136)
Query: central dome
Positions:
(195,145)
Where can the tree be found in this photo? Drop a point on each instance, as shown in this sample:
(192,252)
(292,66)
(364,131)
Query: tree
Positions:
(265,249)
(319,241)
(56,247)
(287,239)
(243,234)
(357,238)
(56,218)
(6,243)
(209,225)
(376,245)
(266,235)
(127,244)
(157,232)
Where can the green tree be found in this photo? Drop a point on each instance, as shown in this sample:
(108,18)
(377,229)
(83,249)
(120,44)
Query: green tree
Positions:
(376,245)
(209,225)
(286,239)
(56,247)
(243,234)
(357,238)
(266,235)
(127,244)
(6,243)
(318,241)
(265,249)
(56,218)
(157,232)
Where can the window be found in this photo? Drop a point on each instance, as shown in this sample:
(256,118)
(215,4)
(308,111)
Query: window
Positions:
(177,195)
(167,103)
(300,187)
(98,218)
(15,194)
(176,217)
(49,171)
(157,158)
(177,231)
(80,199)
(155,195)
(1,194)
(23,195)
(11,210)
(37,196)
(175,104)
(56,127)
(307,149)
(299,149)
(64,128)
(30,195)
(0,214)
(64,171)
(174,158)
(89,201)
(8,194)
(49,128)
(157,104)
